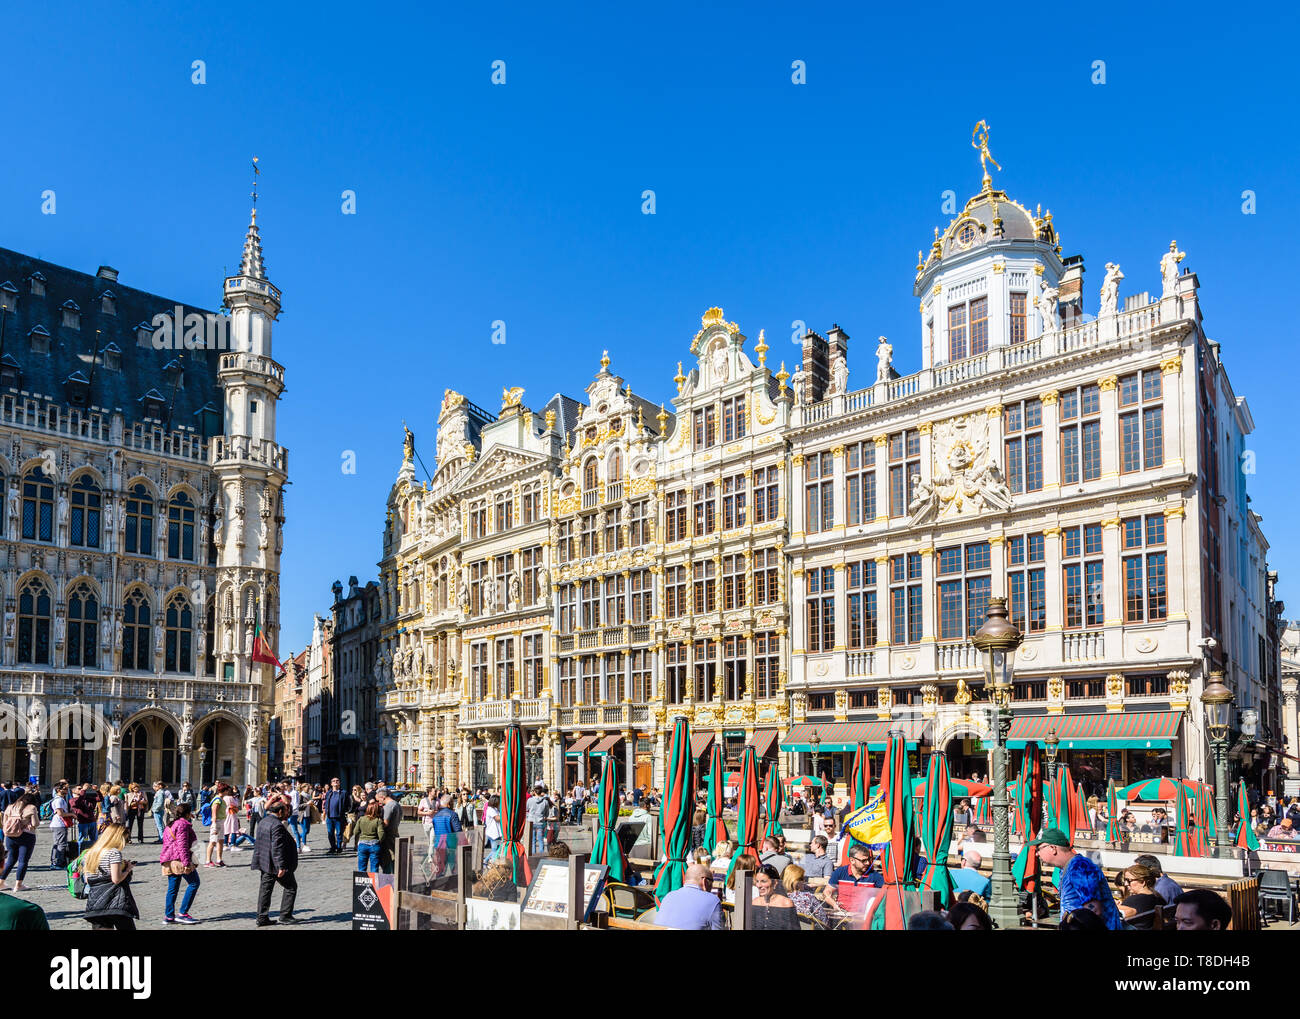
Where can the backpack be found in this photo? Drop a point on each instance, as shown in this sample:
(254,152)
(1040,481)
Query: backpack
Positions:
(13,821)
(77,877)
(218,808)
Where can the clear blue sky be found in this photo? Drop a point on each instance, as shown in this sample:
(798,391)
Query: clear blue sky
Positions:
(522,202)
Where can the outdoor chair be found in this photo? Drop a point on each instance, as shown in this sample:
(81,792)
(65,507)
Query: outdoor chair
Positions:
(808,922)
(1275,886)
(648,915)
(625,901)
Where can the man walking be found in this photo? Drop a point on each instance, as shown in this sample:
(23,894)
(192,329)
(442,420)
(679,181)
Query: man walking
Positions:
(85,806)
(275,854)
(391,815)
(61,821)
(1081,882)
(158,807)
(536,809)
(334,806)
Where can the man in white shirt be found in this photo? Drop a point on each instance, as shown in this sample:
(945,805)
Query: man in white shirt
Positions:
(579,802)
(61,819)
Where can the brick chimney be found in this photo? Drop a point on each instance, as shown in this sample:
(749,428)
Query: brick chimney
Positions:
(816,366)
(1070,293)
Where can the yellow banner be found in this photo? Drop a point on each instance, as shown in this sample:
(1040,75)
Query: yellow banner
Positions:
(869,824)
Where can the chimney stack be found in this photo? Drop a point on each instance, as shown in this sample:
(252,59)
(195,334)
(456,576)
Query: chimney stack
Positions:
(107,272)
(1070,293)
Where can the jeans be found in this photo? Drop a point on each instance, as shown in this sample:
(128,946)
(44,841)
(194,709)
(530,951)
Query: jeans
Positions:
(158,823)
(268,882)
(334,829)
(368,857)
(241,836)
(85,834)
(18,851)
(539,837)
(300,826)
(173,883)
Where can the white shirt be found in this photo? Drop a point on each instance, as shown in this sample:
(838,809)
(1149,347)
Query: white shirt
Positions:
(56,819)
(492,823)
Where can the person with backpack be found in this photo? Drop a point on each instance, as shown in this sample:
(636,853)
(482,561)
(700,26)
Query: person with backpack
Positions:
(85,805)
(21,819)
(177,865)
(109,902)
(217,826)
(62,820)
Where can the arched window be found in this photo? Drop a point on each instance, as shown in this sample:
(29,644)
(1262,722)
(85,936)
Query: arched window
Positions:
(139,521)
(180,528)
(210,627)
(34,605)
(589,475)
(85,513)
(38,506)
(135,753)
(167,771)
(616,466)
(180,635)
(83,624)
(136,652)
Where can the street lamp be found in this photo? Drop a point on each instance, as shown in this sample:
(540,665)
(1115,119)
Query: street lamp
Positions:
(203,756)
(1217,699)
(533,748)
(815,743)
(440,764)
(997,641)
(1053,745)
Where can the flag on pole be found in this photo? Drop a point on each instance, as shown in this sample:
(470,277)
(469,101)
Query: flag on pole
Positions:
(262,650)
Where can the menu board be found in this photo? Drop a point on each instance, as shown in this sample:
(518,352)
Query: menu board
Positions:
(548,892)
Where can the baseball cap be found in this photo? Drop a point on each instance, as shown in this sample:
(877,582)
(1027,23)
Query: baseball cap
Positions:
(1052,837)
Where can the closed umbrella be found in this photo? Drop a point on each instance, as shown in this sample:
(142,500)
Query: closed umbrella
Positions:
(936,826)
(1112,810)
(514,791)
(1029,805)
(859,789)
(714,829)
(775,800)
(606,848)
(747,808)
(1058,802)
(899,864)
(1184,824)
(1246,837)
(675,811)
(1079,808)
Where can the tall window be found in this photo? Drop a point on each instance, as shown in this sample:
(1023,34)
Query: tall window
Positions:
(767,505)
(530,499)
(819,492)
(180,528)
(135,753)
(706,669)
(706,427)
(568,605)
(767,664)
(38,506)
(505,671)
(765,582)
(820,608)
(861,587)
(1027,583)
(1022,423)
(1145,595)
(568,682)
(860,482)
(613,529)
(177,655)
(638,533)
(733,419)
(564,541)
(641,663)
(733,502)
(589,604)
(979,325)
(904,470)
(478,512)
(1016,332)
(1141,421)
(642,595)
(478,670)
(589,678)
(530,565)
(139,521)
(34,605)
(905,599)
(706,508)
(503,566)
(503,512)
(85,499)
(532,665)
(590,480)
(704,575)
(675,672)
(587,536)
(675,516)
(83,625)
(615,684)
(137,652)
(956,332)
(735,652)
(675,592)
(1080,434)
(1081,570)
(733,582)
(963,590)
(615,604)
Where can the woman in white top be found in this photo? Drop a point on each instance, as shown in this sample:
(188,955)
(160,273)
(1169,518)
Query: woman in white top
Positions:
(492,824)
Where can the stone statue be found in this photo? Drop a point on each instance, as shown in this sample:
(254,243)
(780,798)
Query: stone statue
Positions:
(63,510)
(543,582)
(9,625)
(397,665)
(719,364)
(924,502)
(15,503)
(516,589)
(489,595)
(464,591)
(117,634)
(995,494)
(408,443)
(58,629)
(1110,289)
(419,661)
(379,667)
(797,381)
(884,360)
(1047,308)
(839,375)
(1169,269)
(201,643)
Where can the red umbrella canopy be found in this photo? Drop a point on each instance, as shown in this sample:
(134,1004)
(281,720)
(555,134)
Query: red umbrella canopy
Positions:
(775,801)
(1030,808)
(1149,789)
(1246,837)
(900,854)
(514,792)
(748,807)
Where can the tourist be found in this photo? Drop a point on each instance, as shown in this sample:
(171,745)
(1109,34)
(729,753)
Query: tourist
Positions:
(1159,826)
(1201,910)
(818,821)
(85,807)
(928,920)
(579,803)
(1082,919)
(856,872)
(158,807)
(178,863)
(186,795)
(369,831)
(743,862)
(276,857)
(256,806)
(1095,820)
(1283,831)
(699,821)
(216,827)
(390,812)
(768,890)
(536,809)
(492,825)
(969,916)
(113,807)
(230,822)
(1166,887)
(442,833)
(137,805)
(961,815)
(693,906)
(21,914)
(1140,899)
(968,877)
(334,808)
(21,819)
(300,819)
(804,898)
(771,852)
(61,821)
(818,862)
(1079,880)
(109,902)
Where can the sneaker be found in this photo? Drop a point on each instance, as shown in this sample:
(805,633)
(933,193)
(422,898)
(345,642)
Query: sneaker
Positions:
(306,848)
(185,918)
(289,921)
(222,863)
(169,919)
(266,923)
(209,864)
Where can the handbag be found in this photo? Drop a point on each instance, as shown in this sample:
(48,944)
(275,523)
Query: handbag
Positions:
(176,867)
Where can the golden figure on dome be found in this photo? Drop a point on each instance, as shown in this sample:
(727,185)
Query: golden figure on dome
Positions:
(985,156)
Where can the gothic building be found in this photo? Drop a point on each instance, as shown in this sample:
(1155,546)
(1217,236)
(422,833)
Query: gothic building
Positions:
(141,522)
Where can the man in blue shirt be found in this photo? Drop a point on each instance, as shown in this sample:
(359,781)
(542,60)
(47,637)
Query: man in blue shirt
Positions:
(1081,882)
(968,878)
(692,907)
(858,872)
(1166,887)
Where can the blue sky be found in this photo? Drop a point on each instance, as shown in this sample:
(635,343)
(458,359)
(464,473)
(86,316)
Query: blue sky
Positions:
(522,202)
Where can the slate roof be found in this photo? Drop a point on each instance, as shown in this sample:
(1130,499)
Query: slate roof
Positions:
(143,368)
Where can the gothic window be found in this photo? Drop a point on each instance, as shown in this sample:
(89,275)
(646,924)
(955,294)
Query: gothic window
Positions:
(167,771)
(139,521)
(85,513)
(38,506)
(136,652)
(180,528)
(179,634)
(209,659)
(34,604)
(83,625)
(135,753)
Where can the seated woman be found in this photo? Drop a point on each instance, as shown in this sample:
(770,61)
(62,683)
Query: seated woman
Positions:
(773,910)
(804,898)
(1141,898)
(745,862)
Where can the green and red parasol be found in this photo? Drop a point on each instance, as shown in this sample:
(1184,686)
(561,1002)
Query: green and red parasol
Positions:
(936,826)
(606,848)
(859,789)
(514,791)
(675,811)
(1185,843)
(1058,802)
(747,807)
(774,800)
(1029,806)
(1246,837)
(1112,812)
(715,830)
(1151,789)
(899,864)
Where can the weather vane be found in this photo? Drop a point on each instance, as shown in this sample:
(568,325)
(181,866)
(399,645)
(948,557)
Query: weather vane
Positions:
(257,173)
(985,156)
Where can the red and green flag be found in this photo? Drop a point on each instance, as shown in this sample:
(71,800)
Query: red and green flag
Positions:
(1246,837)
(262,650)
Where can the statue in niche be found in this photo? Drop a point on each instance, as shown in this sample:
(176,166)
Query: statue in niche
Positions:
(1047,308)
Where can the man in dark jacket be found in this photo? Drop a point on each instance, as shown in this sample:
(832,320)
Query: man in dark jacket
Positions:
(335,805)
(275,854)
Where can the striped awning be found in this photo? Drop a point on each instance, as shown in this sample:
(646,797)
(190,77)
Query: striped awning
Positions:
(763,740)
(1115,730)
(837,737)
(580,744)
(700,742)
(605,745)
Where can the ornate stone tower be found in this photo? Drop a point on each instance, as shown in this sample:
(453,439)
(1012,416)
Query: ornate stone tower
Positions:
(249,510)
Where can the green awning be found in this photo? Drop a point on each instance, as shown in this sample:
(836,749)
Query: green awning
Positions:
(842,737)
(1112,730)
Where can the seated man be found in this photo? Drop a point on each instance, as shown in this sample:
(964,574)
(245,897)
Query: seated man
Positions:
(692,907)
(1201,910)
(1282,832)
(857,872)
(968,877)
(818,862)
(770,852)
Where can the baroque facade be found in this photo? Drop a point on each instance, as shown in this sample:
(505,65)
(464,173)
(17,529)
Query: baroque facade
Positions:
(142,525)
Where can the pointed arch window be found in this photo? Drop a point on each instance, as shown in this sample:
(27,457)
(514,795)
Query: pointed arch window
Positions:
(135,753)
(139,521)
(210,628)
(34,604)
(83,625)
(38,506)
(167,769)
(178,655)
(135,631)
(180,528)
(86,501)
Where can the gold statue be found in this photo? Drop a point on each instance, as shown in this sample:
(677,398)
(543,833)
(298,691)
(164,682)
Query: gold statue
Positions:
(963,695)
(510,397)
(985,156)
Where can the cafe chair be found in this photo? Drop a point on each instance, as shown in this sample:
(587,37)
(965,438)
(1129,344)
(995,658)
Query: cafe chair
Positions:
(626,901)
(1275,886)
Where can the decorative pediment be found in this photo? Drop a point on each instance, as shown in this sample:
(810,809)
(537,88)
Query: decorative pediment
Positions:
(498,463)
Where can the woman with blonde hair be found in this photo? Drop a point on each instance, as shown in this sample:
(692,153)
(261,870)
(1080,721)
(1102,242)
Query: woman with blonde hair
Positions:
(109,902)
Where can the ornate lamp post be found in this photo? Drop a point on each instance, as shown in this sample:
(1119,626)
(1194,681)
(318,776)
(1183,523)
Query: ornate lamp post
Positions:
(533,749)
(203,756)
(1053,745)
(816,744)
(997,640)
(1217,699)
(440,747)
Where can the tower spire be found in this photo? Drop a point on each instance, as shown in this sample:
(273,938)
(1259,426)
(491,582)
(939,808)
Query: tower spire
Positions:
(251,263)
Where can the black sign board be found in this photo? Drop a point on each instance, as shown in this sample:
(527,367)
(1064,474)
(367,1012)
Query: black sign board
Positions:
(374,902)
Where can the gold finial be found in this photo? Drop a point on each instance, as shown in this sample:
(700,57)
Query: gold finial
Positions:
(640,418)
(761,348)
(936,249)
(679,378)
(510,396)
(985,156)
(469,451)
(711,317)
(550,420)
(781,376)
(604,361)
(920,261)
(662,417)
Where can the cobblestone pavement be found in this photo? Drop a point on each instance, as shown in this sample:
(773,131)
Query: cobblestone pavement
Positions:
(227,896)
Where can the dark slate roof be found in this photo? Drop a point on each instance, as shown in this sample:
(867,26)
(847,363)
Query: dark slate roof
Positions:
(567,410)
(143,368)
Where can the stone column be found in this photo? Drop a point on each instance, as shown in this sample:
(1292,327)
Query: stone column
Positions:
(1177,566)
(884,618)
(998,564)
(882,478)
(795,505)
(1112,606)
(1289,721)
(1052,571)
(1172,402)
(841,608)
(629,756)
(1109,409)
(1051,440)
